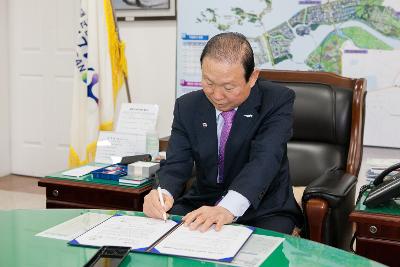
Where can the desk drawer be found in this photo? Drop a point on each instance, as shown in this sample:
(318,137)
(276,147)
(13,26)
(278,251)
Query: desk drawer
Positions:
(377,226)
(376,230)
(95,197)
(383,251)
(69,196)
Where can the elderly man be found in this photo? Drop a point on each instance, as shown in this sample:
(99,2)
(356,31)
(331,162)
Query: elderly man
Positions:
(235,131)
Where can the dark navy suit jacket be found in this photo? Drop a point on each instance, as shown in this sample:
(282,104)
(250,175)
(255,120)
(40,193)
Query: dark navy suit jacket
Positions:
(256,163)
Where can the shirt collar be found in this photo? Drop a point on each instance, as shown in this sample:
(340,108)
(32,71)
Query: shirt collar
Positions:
(218,112)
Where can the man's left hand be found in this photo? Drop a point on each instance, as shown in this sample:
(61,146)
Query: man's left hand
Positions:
(204,217)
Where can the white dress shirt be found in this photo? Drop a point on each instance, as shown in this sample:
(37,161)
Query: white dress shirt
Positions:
(235,202)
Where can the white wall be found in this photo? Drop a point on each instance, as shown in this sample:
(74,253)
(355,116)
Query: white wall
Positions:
(151,56)
(4,93)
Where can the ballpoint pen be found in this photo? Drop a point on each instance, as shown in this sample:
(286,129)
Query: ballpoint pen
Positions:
(162,202)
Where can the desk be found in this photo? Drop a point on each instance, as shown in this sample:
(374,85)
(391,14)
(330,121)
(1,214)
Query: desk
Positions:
(85,192)
(378,232)
(20,247)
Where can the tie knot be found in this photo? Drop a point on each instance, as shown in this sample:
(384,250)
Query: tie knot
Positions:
(228,115)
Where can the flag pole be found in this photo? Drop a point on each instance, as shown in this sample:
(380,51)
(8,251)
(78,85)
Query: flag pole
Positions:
(128,94)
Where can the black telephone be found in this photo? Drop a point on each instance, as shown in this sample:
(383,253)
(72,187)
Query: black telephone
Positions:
(384,188)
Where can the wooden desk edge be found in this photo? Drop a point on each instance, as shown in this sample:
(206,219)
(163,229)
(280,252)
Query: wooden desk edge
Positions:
(44,182)
(367,217)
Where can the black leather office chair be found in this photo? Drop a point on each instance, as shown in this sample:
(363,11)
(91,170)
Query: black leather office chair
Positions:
(326,149)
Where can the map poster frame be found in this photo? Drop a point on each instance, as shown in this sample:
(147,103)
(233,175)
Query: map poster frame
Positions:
(139,10)
(352,38)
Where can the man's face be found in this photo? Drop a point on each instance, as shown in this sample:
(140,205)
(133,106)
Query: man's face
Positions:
(224,83)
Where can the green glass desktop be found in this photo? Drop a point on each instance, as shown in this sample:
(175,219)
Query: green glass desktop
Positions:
(20,247)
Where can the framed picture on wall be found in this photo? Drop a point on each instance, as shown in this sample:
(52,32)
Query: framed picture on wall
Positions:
(131,10)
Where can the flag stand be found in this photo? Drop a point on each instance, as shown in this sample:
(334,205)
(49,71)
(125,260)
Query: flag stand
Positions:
(128,94)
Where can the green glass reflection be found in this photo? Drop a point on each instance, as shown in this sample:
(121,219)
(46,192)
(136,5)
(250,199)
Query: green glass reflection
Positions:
(89,178)
(20,247)
(392,207)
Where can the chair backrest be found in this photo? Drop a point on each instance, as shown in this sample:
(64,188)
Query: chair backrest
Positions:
(328,122)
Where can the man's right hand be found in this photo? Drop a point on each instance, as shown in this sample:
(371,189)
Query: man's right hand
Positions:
(152,206)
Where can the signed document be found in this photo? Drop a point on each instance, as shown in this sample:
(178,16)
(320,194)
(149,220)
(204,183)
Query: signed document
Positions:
(126,231)
(149,235)
(222,245)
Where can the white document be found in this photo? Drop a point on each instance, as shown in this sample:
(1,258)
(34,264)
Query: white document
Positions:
(143,168)
(129,231)
(213,245)
(81,171)
(137,116)
(381,162)
(142,233)
(133,182)
(72,228)
(112,146)
(256,250)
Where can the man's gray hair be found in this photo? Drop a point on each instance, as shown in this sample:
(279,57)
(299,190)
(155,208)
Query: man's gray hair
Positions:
(230,47)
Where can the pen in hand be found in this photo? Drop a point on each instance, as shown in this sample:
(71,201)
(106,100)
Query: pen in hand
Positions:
(162,203)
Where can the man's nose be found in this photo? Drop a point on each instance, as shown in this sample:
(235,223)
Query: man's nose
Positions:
(218,93)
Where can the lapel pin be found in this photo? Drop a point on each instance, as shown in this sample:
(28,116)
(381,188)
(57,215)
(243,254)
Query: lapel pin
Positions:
(204,125)
(248,115)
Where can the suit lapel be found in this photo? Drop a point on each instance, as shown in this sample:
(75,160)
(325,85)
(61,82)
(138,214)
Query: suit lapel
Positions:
(246,116)
(206,130)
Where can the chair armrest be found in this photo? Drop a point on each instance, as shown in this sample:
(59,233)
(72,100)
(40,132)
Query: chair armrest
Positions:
(333,186)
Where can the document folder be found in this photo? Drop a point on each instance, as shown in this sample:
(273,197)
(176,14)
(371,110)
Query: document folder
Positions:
(155,236)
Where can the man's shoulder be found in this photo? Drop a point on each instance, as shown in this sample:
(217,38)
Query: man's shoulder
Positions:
(191,100)
(192,96)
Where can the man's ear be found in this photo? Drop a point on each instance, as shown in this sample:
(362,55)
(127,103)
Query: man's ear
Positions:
(253,77)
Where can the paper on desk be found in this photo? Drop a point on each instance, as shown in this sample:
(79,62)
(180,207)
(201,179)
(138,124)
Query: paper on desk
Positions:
(133,182)
(255,251)
(212,244)
(129,231)
(112,146)
(81,171)
(377,165)
(380,162)
(72,228)
(137,116)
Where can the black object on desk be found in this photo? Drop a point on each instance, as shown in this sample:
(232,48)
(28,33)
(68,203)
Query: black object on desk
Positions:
(384,192)
(132,159)
(109,256)
(384,188)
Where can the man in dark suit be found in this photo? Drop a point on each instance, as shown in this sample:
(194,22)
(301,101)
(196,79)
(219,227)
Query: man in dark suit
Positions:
(235,130)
